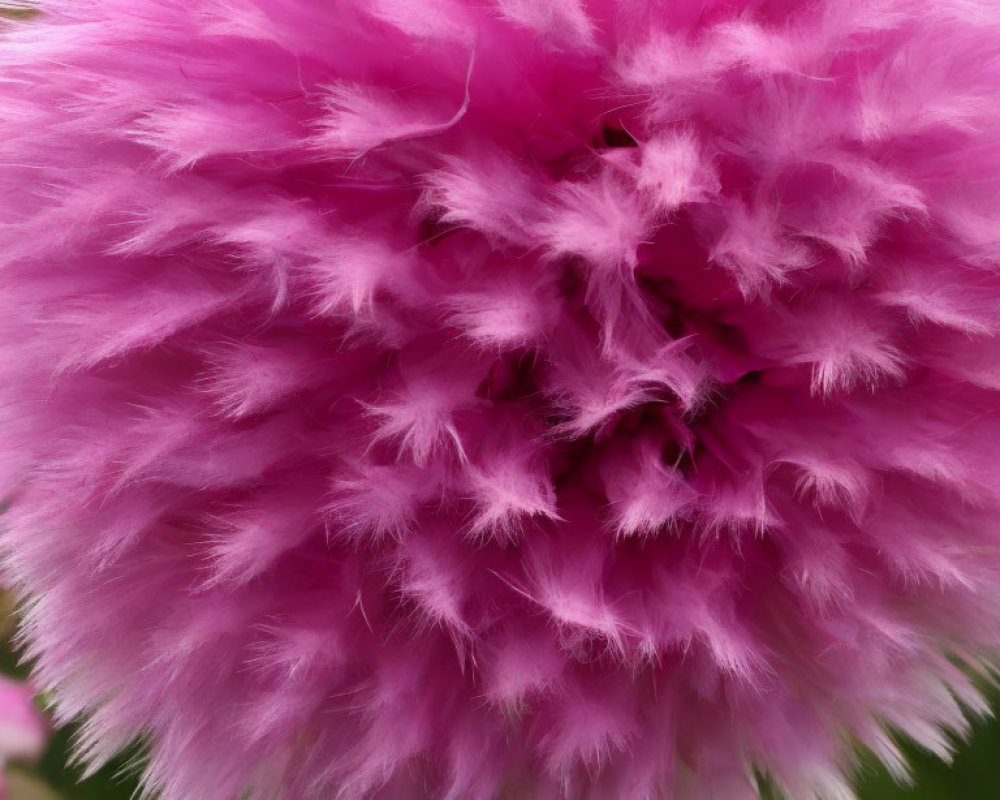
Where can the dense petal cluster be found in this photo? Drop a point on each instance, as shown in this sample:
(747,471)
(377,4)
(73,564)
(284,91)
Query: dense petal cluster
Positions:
(465,399)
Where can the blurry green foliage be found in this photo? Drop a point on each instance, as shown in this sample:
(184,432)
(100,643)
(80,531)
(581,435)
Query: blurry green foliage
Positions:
(116,781)
(974,774)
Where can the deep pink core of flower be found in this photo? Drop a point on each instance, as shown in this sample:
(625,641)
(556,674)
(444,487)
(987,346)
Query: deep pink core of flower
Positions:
(467,399)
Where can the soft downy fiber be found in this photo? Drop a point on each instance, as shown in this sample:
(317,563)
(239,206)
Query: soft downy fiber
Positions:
(535,399)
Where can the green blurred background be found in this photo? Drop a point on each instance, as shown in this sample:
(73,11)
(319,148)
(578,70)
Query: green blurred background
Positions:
(974,775)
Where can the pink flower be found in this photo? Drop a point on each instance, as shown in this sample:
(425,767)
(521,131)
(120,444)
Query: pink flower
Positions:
(24,731)
(529,398)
